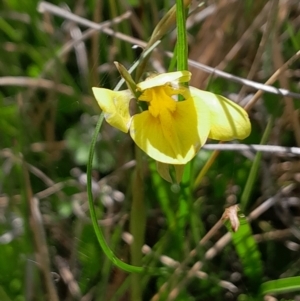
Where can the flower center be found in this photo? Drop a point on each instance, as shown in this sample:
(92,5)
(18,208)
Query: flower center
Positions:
(161,103)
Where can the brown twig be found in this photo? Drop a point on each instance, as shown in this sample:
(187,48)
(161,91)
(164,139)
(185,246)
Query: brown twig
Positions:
(230,77)
(269,27)
(290,113)
(39,237)
(42,83)
(271,80)
(68,277)
(257,22)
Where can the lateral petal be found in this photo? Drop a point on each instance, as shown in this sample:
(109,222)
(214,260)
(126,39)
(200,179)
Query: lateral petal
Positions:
(115,105)
(178,141)
(228,120)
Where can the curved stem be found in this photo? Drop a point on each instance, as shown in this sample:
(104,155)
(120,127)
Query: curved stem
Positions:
(101,239)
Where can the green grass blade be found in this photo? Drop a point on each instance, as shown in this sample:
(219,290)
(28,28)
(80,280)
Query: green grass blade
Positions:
(248,252)
(255,168)
(185,198)
(280,286)
(182,49)
(162,194)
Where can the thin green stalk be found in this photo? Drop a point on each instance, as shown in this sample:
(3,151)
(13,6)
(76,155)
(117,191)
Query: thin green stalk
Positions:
(137,226)
(107,266)
(100,236)
(162,194)
(185,199)
(182,48)
(255,167)
(206,168)
(281,286)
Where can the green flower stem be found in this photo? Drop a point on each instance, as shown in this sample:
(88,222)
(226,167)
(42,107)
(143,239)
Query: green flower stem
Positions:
(162,194)
(185,198)
(182,48)
(255,167)
(206,168)
(186,205)
(137,226)
(100,236)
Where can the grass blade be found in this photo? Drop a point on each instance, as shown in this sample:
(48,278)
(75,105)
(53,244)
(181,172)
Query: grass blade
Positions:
(279,286)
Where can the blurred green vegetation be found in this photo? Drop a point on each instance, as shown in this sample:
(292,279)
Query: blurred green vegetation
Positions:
(47,118)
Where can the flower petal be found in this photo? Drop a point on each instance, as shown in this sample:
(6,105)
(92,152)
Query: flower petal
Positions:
(115,105)
(178,141)
(228,120)
(164,78)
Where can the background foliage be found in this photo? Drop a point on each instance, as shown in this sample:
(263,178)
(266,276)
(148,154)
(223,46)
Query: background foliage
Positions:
(48,248)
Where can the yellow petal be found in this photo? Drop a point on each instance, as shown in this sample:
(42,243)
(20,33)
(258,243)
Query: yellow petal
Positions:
(228,120)
(164,78)
(176,142)
(115,105)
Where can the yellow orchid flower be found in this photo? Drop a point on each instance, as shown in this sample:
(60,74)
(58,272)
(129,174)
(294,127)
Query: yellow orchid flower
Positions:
(172,131)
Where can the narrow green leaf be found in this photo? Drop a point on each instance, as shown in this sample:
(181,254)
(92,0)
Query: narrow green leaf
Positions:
(247,250)
(280,286)
(182,49)
(162,194)
(11,32)
(255,167)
